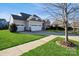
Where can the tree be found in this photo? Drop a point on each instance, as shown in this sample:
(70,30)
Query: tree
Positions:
(64,10)
(2,19)
(13,28)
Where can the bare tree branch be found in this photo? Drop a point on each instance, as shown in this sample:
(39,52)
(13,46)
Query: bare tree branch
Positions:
(66,11)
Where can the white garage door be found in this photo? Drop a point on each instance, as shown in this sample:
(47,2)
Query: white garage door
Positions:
(36,28)
(20,28)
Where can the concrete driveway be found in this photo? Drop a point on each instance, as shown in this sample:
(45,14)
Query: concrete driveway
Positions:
(48,33)
(58,34)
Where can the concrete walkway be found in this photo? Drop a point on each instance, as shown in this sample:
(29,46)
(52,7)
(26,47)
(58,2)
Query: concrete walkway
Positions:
(19,50)
(75,38)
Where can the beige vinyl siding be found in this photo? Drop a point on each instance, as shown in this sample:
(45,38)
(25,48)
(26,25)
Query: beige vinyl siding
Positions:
(19,22)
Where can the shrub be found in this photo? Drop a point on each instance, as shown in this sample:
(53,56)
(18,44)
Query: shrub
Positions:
(70,28)
(13,28)
(6,27)
(56,28)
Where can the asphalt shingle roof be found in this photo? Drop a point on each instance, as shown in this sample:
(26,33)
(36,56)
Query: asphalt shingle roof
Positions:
(25,16)
(17,17)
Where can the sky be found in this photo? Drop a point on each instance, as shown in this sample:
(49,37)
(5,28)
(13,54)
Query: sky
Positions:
(6,9)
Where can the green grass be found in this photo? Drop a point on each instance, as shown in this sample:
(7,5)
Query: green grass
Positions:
(76,32)
(52,49)
(8,39)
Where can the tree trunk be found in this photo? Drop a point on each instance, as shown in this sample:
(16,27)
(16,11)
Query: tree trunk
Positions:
(66,22)
(66,32)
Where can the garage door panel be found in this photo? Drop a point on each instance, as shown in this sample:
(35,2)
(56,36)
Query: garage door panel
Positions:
(20,28)
(36,28)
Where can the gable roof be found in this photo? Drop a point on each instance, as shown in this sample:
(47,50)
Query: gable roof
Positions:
(34,18)
(17,17)
(25,16)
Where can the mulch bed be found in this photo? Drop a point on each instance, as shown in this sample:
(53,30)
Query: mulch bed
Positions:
(66,44)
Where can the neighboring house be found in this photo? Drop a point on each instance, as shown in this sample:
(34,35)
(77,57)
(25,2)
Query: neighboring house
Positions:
(60,23)
(75,25)
(3,23)
(27,22)
(46,24)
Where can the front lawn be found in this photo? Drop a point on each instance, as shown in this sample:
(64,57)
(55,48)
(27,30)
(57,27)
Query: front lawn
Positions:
(76,32)
(8,39)
(52,49)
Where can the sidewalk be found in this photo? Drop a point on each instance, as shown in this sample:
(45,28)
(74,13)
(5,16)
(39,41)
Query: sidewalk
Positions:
(20,49)
(75,38)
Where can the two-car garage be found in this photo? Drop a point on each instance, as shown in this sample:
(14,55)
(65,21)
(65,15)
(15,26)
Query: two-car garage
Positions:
(36,28)
(30,26)
(35,25)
